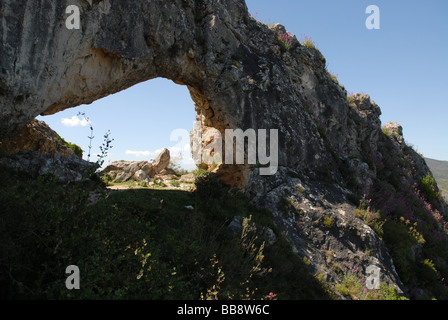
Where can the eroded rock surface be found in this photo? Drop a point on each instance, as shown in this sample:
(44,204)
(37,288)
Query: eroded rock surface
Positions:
(330,146)
(36,136)
(66,168)
(138,170)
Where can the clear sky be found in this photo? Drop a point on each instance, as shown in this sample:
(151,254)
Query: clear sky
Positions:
(403,66)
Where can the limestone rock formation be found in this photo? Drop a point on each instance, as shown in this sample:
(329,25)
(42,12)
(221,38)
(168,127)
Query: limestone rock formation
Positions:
(36,136)
(138,170)
(125,170)
(323,226)
(67,168)
(188,178)
(394,130)
(331,146)
(162,161)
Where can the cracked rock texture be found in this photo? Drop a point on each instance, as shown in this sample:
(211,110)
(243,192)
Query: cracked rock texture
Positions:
(238,79)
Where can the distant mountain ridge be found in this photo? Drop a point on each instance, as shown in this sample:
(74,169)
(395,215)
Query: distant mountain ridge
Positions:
(440,171)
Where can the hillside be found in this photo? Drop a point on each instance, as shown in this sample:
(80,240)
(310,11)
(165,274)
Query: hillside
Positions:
(440,171)
(339,193)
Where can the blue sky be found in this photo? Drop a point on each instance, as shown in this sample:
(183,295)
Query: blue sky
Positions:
(403,67)
(143,120)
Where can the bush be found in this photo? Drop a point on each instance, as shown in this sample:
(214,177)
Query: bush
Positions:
(144,184)
(308,42)
(372,218)
(353,286)
(75,148)
(328,222)
(175,183)
(284,41)
(200,172)
(427,185)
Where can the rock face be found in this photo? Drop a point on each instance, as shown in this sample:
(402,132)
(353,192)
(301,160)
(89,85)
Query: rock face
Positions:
(322,226)
(241,76)
(67,168)
(36,136)
(227,61)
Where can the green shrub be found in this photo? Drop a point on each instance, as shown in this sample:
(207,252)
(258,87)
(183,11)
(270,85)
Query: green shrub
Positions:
(200,172)
(175,183)
(75,148)
(309,43)
(353,286)
(144,184)
(427,185)
(328,222)
(107,179)
(372,219)
(284,41)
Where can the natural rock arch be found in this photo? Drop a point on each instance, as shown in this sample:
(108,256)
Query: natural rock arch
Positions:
(239,76)
(226,59)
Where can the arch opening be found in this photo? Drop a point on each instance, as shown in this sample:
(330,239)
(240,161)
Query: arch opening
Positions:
(144,120)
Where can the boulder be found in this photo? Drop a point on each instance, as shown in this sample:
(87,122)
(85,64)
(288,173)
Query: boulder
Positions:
(162,161)
(125,170)
(139,170)
(147,168)
(188,178)
(140,175)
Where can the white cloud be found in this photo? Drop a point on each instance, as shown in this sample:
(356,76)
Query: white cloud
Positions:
(143,154)
(74,122)
(174,151)
(179,154)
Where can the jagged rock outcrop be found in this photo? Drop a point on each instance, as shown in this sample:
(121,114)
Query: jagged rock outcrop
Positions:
(138,170)
(227,61)
(323,226)
(418,167)
(331,146)
(162,161)
(67,168)
(125,170)
(36,136)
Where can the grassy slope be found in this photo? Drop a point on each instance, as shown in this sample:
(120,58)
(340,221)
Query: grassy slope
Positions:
(145,244)
(140,244)
(440,171)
